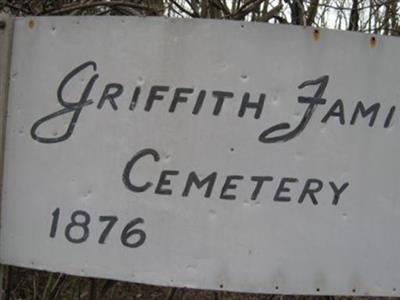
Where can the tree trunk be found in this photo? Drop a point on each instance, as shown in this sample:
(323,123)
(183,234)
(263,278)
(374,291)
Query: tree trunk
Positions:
(354,16)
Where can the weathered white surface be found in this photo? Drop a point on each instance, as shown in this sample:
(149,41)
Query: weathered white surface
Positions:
(241,245)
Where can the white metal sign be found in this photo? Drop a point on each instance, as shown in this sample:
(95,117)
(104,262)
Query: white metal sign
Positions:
(205,154)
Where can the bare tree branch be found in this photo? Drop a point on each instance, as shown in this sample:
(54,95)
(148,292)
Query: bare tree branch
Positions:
(79,6)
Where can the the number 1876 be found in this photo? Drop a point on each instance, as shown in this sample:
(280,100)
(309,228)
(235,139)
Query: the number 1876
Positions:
(77,230)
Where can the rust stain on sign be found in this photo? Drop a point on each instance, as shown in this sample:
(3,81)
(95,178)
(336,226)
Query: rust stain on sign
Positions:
(316,35)
(372,42)
(31,24)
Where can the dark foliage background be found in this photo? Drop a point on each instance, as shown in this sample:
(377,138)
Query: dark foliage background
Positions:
(371,16)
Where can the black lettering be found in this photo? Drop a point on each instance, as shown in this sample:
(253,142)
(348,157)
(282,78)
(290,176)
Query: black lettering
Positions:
(163,181)
(259,183)
(282,189)
(338,105)
(74,107)
(179,98)
(221,96)
(229,186)
(322,83)
(193,179)
(389,117)
(153,95)
(110,96)
(360,109)
(337,191)
(199,102)
(128,169)
(135,98)
(75,223)
(258,106)
(311,191)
